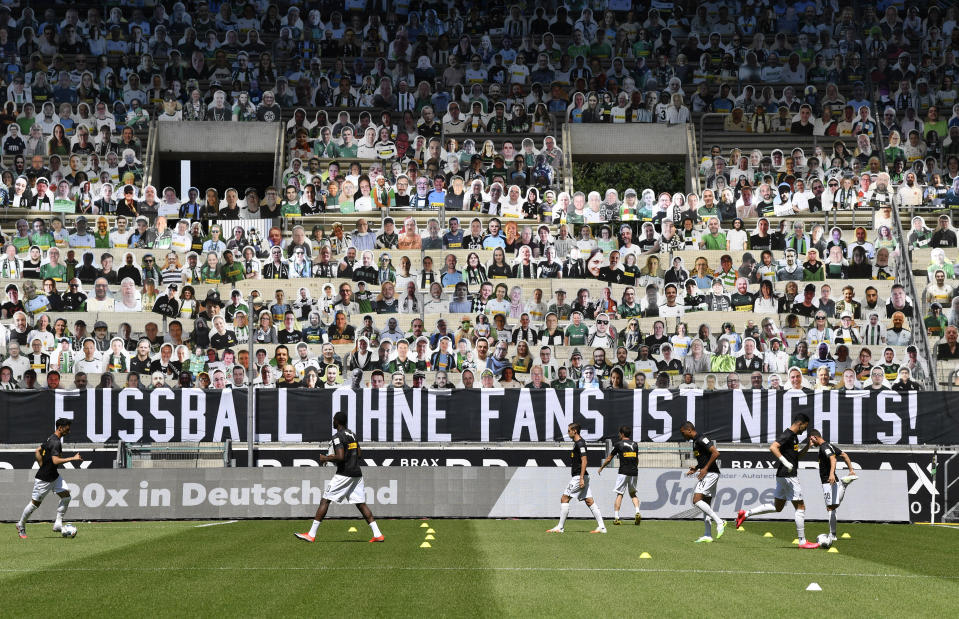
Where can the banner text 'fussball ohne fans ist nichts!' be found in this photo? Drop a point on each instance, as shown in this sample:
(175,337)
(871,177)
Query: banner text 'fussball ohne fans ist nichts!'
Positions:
(524,415)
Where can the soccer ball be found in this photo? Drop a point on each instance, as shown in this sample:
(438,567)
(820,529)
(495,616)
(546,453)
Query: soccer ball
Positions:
(68,530)
(824,541)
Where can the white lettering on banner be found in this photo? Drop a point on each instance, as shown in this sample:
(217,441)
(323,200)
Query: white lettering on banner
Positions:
(654,397)
(161,413)
(691,396)
(856,418)
(59,401)
(458,462)
(404,415)
(105,415)
(772,411)
(123,409)
(744,415)
(196,494)
(282,434)
(434,414)
(525,418)
(218,497)
(376,413)
(822,415)
(638,417)
(773,430)
(268,463)
(487,412)
(226,417)
(923,480)
(494,462)
(192,415)
(586,411)
(913,399)
(896,434)
(93,495)
(117,497)
(558,415)
(336,404)
(192,494)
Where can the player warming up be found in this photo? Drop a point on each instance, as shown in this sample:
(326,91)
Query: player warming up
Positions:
(626,448)
(347,485)
(787,451)
(833,489)
(49,456)
(578,485)
(705,452)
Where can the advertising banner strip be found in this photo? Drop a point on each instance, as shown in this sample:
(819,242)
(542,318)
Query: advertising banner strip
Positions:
(506,492)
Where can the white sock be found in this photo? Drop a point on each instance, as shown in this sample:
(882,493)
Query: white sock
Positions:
(563,513)
(636,505)
(704,507)
(29,509)
(314,528)
(801,525)
(833,518)
(62,508)
(707,521)
(376,529)
(762,509)
(616,514)
(598,516)
(840,492)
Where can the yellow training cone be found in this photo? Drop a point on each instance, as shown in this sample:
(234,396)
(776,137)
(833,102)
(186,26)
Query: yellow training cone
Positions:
(351,530)
(767,534)
(846,536)
(833,549)
(424,526)
(741,529)
(425,545)
(430,537)
(795,542)
(645,555)
(430,530)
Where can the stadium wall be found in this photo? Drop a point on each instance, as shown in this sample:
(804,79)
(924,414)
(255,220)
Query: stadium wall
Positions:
(455,492)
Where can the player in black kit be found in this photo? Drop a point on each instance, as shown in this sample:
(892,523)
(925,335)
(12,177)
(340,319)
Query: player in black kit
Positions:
(347,485)
(578,485)
(833,488)
(705,452)
(49,456)
(626,449)
(788,452)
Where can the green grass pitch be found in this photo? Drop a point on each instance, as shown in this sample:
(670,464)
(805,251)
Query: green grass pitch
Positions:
(485,568)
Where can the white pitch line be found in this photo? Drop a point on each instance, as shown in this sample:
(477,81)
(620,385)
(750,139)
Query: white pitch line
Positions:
(270,568)
(213,524)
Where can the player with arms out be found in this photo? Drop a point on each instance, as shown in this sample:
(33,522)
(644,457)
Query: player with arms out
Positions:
(833,489)
(578,485)
(49,456)
(347,485)
(626,448)
(787,451)
(705,452)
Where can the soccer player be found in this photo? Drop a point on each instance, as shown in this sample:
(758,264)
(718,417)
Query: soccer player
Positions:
(347,485)
(705,453)
(787,451)
(626,448)
(833,489)
(578,485)
(49,456)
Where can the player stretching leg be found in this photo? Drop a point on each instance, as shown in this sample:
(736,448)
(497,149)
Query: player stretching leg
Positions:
(347,485)
(626,447)
(833,490)
(578,485)
(706,453)
(787,451)
(49,456)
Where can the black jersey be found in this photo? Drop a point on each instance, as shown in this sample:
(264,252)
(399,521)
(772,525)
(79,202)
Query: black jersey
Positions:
(702,451)
(576,457)
(350,465)
(789,448)
(628,460)
(53,446)
(826,450)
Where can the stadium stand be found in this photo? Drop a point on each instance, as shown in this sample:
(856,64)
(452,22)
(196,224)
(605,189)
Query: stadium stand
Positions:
(421,229)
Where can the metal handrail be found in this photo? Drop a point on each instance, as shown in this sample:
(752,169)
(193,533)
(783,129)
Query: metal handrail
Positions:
(151,152)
